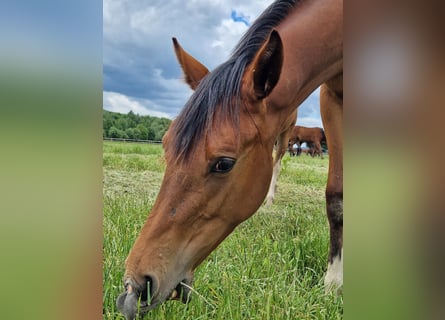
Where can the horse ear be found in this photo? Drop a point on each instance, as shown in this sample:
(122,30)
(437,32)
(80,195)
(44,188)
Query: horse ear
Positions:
(193,70)
(267,66)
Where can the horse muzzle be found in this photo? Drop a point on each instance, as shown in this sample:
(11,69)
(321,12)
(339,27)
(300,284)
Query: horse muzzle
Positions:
(139,299)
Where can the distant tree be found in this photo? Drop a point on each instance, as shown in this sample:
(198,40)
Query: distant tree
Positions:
(142,132)
(130,133)
(133,126)
(147,121)
(114,133)
(137,134)
(132,119)
(122,123)
(107,121)
(151,134)
(159,135)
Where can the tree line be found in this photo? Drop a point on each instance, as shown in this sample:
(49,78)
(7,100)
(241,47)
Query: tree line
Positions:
(133,126)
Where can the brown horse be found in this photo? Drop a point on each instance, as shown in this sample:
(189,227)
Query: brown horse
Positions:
(292,150)
(219,149)
(312,136)
(312,151)
(299,150)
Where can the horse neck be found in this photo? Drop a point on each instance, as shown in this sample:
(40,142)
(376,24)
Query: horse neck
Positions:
(313,51)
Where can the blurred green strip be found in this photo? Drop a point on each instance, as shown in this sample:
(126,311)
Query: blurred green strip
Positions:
(51,168)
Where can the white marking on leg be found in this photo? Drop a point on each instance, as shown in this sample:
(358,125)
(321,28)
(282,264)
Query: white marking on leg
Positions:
(273,182)
(333,280)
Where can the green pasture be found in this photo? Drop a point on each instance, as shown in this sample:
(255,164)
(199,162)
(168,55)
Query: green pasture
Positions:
(271,267)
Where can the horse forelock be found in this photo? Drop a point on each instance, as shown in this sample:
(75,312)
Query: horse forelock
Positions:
(220,89)
(200,111)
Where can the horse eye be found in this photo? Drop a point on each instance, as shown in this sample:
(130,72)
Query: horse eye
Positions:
(223,165)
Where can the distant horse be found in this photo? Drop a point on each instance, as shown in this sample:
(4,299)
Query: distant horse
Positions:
(313,137)
(314,151)
(297,151)
(218,151)
(291,149)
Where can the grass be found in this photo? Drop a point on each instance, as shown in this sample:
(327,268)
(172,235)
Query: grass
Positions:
(271,267)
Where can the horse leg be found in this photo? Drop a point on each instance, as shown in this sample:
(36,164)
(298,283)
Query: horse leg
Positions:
(279,153)
(318,150)
(331,106)
(273,182)
(298,149)
(281,145)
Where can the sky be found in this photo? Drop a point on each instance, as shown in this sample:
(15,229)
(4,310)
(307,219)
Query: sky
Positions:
(140,71)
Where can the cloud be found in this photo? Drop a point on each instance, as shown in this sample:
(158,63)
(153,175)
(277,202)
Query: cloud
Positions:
(228,31)
(140,70)
(309,111)
(309,122)
(117,102)
(138,58)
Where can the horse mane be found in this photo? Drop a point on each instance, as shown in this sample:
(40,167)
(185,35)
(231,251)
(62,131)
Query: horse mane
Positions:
(221,87)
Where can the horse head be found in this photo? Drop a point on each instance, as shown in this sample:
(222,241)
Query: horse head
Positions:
(212,182)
